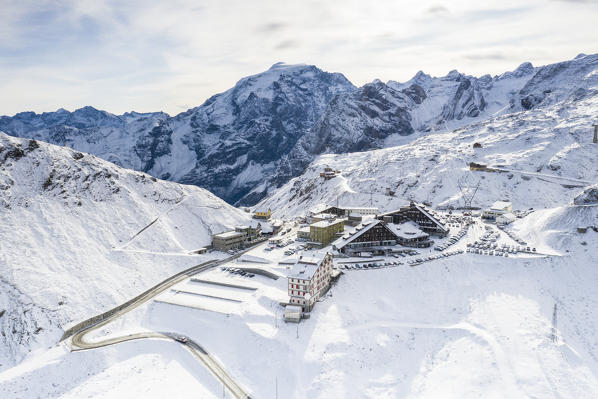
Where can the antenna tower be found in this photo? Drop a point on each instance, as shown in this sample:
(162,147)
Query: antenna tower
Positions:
(468,191)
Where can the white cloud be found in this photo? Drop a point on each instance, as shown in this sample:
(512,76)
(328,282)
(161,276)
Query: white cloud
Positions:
(149,56)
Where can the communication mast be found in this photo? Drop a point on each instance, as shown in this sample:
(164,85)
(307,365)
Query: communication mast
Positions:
(468,190)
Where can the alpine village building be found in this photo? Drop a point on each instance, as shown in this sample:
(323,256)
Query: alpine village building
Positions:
(308,280)
(418,214)
(377,236)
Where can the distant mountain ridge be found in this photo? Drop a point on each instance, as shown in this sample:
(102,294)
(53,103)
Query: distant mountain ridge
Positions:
(247,141)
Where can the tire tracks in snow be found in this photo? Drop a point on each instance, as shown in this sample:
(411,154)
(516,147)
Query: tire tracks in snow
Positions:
(502,359)
(78,341)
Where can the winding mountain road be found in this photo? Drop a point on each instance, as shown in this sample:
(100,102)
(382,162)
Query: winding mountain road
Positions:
(78,332)
(582,183)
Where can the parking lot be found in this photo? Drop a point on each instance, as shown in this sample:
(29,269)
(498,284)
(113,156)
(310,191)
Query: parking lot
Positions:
(471,236)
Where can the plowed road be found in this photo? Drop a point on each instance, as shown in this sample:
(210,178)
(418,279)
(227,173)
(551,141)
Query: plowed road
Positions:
(78,341)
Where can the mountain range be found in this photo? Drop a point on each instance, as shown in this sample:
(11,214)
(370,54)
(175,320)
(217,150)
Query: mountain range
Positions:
(253,138)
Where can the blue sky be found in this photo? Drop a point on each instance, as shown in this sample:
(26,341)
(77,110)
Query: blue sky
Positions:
(170,56)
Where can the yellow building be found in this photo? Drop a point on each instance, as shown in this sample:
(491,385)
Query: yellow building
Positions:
(324,231)
(262,214)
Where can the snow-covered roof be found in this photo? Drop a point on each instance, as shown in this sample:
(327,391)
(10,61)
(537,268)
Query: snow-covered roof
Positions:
(306,267)
(253,259)
(266,227)
(229,234)
(430,216)
(407,230)
(325,216)
(351,234)
(500,205)
(508,216)
(326,223)
(291,260)
(422,210)
(293,310)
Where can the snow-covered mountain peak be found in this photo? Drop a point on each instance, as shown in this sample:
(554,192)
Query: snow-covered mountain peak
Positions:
(277,78)
(287,66)
(522,70)
(236,143)
(554,155)
(557,82)
(454,75)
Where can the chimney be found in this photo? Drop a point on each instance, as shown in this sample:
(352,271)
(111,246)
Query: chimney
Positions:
(595,134)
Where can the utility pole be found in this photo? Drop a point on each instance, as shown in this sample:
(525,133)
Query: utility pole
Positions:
(276,387)
(595,133)
(297,330)
(554,334)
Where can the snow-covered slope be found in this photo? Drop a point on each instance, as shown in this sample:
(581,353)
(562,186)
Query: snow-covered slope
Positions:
(225,145)
(461,327)
(115,138)
(68,243)
(544,142)
(251,139)
(236,138)
(380,115)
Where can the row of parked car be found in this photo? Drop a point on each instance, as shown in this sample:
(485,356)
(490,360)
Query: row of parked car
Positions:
(233,270)
(490,252)
(403,254)
(300,247)
(496,250)
(453,239)
(373,265)
(418,261)
(514,237)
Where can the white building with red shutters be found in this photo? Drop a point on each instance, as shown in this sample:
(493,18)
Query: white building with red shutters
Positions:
(308,280)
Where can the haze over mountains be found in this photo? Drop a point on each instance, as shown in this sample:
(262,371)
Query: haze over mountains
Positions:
(79,235)
(244,143)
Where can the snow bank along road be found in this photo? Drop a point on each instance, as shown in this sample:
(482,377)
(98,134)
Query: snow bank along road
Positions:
(79,331)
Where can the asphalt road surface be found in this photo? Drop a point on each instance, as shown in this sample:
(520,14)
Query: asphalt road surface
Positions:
(78,341)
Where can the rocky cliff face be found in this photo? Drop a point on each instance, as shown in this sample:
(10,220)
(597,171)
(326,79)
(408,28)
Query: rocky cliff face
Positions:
(575,79)
(359,120)
(238,137)
(225,145)
(249,140)
(112,137)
